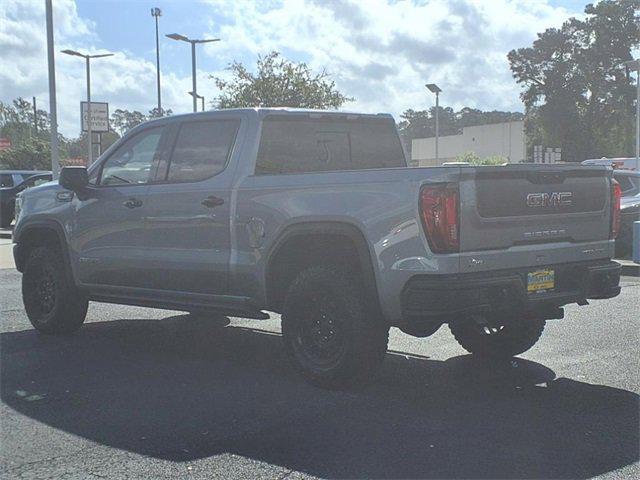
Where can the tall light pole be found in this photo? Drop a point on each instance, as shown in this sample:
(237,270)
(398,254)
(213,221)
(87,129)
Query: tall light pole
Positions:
(635,64)
(177,36)
(198,96)
(156,12)
(433,88)
(88,59)
(53,112)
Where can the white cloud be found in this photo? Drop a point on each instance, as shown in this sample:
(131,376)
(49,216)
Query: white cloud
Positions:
(124,80)
(378,52)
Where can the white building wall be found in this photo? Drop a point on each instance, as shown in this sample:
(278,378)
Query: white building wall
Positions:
(498,139)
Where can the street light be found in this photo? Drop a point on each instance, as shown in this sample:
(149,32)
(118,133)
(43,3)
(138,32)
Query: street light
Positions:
(182,38)
(87,59)
(635,64)
(53,111)
(433,88)
(198,96)
(156,12)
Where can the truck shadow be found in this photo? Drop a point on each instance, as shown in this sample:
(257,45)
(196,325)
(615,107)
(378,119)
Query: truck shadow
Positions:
(181,390)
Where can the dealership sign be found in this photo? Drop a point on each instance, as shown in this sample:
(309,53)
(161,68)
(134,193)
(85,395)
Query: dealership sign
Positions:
(99,116)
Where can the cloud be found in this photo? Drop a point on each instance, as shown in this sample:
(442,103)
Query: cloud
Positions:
(380,52)
(124,80)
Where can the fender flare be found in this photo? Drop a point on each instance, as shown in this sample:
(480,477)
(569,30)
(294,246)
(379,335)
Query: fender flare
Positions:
(352,232)
(20,255)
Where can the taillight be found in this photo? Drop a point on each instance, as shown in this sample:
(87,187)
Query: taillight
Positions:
(439,208)
(616,194)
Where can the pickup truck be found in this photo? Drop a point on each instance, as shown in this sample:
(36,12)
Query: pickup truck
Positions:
(316,216)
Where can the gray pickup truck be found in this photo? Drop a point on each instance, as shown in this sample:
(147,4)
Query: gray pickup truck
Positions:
(316,216)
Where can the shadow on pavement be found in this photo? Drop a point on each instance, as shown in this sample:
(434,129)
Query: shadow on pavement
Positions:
(183,389)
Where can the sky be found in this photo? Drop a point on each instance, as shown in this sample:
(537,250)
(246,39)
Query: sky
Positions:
(381,52)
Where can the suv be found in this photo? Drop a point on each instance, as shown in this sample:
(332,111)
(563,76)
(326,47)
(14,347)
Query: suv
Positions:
(316,216)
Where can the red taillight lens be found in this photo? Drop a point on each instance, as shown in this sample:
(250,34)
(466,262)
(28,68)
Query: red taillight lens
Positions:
(439,208)
(616,194)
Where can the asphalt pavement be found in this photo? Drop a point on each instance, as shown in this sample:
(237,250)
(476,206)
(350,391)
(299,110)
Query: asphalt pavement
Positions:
(141,393)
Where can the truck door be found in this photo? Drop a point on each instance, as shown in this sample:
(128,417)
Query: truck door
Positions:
(108,230)
(188,220)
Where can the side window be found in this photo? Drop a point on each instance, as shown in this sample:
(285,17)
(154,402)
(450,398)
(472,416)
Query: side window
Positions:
(201,150)
(131,163)
(6,180)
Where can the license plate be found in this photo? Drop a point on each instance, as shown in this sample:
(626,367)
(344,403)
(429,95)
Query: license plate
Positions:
(540,280)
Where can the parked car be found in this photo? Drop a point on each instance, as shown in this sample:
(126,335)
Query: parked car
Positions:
(629,209)
(13,182)
(316,216)
(622,163)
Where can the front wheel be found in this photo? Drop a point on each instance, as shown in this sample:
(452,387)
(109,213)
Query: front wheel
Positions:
(497,336)
(327,331)
(52,303)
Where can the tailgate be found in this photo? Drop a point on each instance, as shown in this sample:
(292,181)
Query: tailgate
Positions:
(505,206)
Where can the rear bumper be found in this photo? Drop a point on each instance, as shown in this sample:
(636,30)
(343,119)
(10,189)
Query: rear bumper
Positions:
(439,297)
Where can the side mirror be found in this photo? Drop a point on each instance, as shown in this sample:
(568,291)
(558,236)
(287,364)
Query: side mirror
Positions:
(74,178)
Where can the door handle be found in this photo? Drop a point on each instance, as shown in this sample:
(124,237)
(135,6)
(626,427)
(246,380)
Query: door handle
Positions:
(212,201)
(132,203)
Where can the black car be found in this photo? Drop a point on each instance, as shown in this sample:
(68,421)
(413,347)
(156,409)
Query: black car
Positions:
(629,209)
(13,182)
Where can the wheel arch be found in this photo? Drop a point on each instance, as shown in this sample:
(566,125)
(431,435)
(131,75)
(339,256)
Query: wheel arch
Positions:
(304,244)
(39,234)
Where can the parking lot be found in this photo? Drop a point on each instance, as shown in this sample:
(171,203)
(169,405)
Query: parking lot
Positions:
(141,393)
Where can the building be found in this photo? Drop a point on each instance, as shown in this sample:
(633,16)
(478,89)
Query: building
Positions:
(498,139)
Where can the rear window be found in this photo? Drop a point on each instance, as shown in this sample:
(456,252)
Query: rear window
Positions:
(295,144)
(201,150)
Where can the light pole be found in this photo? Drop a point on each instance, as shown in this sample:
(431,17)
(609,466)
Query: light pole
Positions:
(433,88)
(88,59)
(53,112)
(635,64)
(177,36)
(198,96)
(156,12)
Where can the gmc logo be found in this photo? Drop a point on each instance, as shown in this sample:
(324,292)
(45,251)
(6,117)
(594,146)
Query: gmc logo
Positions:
(554,199)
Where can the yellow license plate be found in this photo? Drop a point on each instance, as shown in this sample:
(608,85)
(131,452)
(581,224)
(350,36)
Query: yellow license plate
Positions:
(540,280)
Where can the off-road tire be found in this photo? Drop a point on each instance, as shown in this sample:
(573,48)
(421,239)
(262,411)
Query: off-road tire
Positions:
(330,300)
(53,304)
(513,337)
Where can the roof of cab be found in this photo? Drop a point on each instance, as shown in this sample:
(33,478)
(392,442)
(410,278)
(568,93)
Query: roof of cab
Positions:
(264,111)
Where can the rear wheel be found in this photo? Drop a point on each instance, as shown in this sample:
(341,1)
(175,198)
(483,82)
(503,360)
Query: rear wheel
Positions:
(327,331)
(497,336)
(52,303)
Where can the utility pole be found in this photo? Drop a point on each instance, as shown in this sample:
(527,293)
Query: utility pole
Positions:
(156,13)
(35,116)
(177,36)
(89,132)
(55,160)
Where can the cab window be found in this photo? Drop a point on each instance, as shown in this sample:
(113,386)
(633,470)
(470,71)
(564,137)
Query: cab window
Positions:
(201,150)
(132,162)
